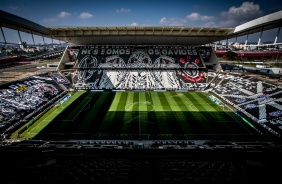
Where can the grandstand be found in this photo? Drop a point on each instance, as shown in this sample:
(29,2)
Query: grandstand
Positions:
(129,108)
(143,67)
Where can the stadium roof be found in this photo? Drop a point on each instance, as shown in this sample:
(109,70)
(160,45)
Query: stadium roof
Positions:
(141,35)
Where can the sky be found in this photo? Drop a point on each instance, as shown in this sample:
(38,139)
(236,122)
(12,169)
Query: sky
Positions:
(190,13)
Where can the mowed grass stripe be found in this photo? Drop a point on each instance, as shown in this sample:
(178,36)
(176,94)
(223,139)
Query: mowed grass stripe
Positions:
(71,116)
(143,102)
(160,112)
(162,120)
(181,99)
(131,117)
(194,116)
(43,121)
(225,117)
(78,114)
(114,118)
(203,121)
(60,108)
(152,127)
(143,113)
(70,113)
(194,100)
(171,102)
(225,113)
(216,121)
(92,116)
(201,98)
(177,104)
(129,101)
(156,101)
(171,123)
(115,102)
(122,101)
(128,117)
(211,107)
(56,120)
(192,104)
(134,123)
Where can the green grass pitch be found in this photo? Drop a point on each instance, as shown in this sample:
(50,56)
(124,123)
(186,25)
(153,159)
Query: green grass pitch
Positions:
(139,115)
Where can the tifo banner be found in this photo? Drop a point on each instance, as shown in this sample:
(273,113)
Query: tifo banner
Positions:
(143,56)
(140,67)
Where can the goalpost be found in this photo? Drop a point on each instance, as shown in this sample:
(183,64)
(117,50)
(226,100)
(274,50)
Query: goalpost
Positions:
(222,105)
(217,101)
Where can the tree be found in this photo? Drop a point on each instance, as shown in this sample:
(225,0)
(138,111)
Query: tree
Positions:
(230,55)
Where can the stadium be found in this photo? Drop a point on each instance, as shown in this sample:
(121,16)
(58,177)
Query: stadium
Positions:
(122,95)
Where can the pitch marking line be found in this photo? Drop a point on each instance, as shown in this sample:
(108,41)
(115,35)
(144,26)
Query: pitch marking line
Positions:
(176,95)
(196,109)
(234,120)
(49,120)
(82,109)
(44,120)
(130,106)
(129,121)
(192,107)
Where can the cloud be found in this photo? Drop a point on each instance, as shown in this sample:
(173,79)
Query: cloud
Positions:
(63,15)
(163,20)
(123,10)
(133,24)
(173,21)
(234,16)
(242,14)
(199,17)
(85,15)
(193,17)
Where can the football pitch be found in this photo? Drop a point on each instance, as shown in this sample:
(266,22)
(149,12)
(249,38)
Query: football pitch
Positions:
(138,115)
